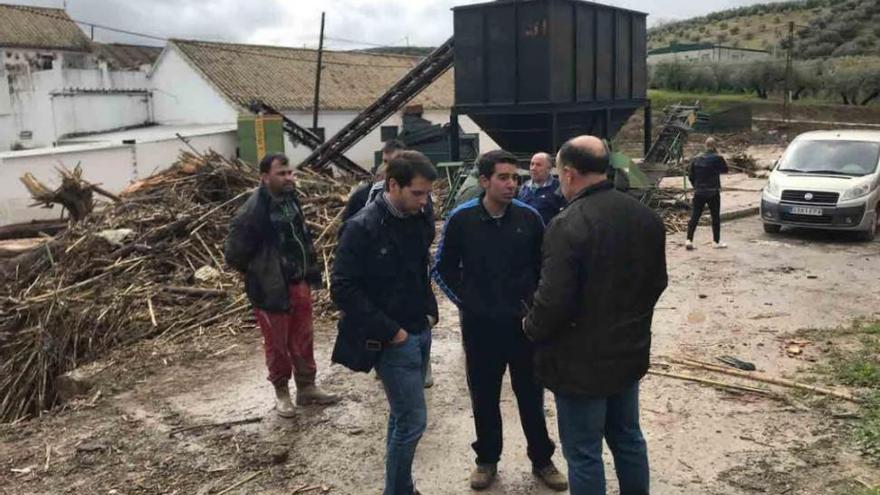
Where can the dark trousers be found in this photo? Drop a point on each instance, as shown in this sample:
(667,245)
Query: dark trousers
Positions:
(491,346)
(701,200)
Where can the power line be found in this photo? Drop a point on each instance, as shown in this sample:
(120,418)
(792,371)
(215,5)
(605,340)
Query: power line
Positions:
(31,10)
(222,47)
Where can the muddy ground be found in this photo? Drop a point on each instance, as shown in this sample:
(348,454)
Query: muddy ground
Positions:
(746,301)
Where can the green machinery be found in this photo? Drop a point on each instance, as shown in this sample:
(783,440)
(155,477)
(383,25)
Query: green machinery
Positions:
(259,135)
(638,179)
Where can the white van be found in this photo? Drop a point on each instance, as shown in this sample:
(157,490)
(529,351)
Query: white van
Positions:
(826,180)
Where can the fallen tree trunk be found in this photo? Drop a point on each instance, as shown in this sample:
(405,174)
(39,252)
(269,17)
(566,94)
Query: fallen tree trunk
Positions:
(31,229)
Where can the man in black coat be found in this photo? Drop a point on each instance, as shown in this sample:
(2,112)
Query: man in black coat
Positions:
(381,284)
(487,263)
(270,244)
(705,175)
(604,267)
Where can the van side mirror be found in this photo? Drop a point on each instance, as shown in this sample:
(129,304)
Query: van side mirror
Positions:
(775,164)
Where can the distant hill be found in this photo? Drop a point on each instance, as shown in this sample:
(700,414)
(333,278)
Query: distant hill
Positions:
(823,28)
(415,51)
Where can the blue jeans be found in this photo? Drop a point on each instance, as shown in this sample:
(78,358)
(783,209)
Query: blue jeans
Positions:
(583,422)
(402,369)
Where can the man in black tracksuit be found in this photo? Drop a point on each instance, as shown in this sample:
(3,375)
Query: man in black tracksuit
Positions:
(705,176)
(488,263)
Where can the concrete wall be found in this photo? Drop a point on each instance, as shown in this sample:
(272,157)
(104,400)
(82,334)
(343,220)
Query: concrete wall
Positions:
(182,96)
(362,152)
(112,166)
(108,166)
(83,113)
(30,118)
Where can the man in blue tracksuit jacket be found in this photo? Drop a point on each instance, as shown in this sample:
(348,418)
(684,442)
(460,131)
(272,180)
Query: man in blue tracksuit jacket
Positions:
(487,263)
(542,191)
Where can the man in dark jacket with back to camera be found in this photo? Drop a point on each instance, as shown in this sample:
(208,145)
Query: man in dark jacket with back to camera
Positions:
(705,176)
(381,284)
(487,263)
(604,267)
(270,244)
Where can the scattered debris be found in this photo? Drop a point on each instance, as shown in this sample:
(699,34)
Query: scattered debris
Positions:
(279,455)
(765,379)
(745,163)
(737,363)
(244,480)
(224,424)
(74,193)
(69,301)
(796,347)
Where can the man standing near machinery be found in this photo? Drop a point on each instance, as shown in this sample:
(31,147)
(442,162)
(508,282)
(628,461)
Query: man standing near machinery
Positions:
(487,263)
(542,191)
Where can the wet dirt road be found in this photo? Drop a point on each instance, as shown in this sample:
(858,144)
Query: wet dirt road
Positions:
(742,301)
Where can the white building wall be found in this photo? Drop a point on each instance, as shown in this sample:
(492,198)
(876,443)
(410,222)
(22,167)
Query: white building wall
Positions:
(182,96)
(31,120)
(114,166)
(152,157)
(107,166)
(84,113)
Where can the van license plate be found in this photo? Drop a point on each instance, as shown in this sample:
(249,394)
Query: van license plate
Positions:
(801,210)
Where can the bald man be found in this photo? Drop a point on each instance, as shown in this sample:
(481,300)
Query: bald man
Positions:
(542,191)
(603,269)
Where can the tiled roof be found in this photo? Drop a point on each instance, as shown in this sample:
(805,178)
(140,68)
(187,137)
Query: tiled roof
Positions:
(35,27)
(284,78)
(121,56)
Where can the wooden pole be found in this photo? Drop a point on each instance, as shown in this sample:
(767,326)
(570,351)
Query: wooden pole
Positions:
(765,379)
(318,79)
(714,383)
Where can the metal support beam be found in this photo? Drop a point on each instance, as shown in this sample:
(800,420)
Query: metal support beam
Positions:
(454,141)
(555,128)
(648,127)
(606,130)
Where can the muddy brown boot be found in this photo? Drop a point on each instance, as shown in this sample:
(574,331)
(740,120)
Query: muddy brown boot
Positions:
(551,477)
(483,476)
(310,394)
(283,405)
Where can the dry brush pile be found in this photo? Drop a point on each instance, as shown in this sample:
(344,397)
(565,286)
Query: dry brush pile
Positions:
(148,266)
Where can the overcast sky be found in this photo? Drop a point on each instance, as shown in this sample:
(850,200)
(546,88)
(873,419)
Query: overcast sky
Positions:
(297,22)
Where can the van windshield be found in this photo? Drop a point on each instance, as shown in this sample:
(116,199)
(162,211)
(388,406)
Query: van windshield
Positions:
(853,158)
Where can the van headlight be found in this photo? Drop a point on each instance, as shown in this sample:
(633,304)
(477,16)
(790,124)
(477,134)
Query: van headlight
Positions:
(773,189)
(856,191)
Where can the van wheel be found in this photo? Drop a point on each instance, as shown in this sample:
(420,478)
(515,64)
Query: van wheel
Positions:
(772,228)
(870,234)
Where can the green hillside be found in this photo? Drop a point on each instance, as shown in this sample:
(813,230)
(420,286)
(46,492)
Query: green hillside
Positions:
(823,28)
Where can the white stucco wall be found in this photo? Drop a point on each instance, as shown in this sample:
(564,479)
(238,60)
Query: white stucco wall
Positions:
(83,113)
(108,166)
(31,108)
(113,165)
(182,96)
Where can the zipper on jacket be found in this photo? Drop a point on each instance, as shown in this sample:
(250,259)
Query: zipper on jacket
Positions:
(286,209)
